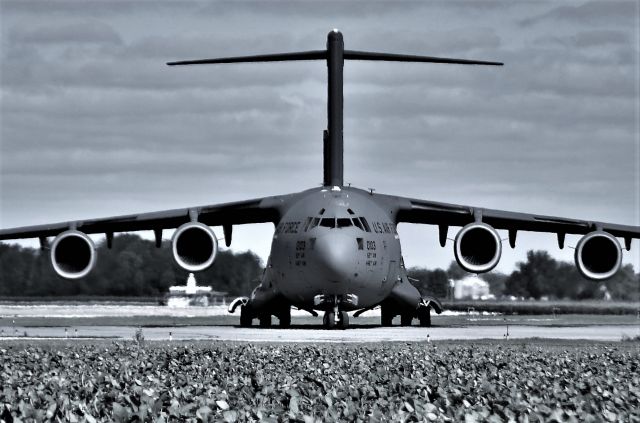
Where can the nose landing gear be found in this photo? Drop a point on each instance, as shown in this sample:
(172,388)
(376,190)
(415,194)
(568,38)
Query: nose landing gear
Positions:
(333,303)
(329,319)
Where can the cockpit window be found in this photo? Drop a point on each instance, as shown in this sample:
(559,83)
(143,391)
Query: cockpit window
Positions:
(314,222)
(321,212)
(306,225)
(358,224)
(350,211)
(365,224)
(344,222)
(328,222)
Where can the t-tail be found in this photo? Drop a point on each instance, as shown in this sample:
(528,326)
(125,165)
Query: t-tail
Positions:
(335,55)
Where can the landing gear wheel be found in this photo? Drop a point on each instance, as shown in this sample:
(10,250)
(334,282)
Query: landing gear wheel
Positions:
(406,319)
(344,320)
(265,321)
(329,320)
(386,317)
(424,314)
(245,317)
(285,318)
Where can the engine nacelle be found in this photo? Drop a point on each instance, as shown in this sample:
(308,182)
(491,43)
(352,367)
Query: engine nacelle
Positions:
(477,247)
(598,255)
(73,254)
(194,246)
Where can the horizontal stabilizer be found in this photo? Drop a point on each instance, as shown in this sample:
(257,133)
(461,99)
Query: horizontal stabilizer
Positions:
(322,54)
(389,57)
(279,57)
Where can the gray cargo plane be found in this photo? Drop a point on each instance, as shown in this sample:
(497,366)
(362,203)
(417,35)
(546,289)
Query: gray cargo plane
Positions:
(335,248)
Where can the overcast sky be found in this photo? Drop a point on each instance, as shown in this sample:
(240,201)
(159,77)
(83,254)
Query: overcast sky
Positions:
(94,124)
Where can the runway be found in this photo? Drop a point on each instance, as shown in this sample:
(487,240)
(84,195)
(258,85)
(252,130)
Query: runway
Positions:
(318,335)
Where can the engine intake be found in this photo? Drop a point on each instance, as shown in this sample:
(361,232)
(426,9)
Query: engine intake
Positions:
(194,246)
(73,254)
(598,255)
(477,248)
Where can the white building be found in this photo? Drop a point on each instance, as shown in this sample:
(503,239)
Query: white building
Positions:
(192,295)
(471,288)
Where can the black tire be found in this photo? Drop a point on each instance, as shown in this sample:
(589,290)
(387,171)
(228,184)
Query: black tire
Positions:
(386,317)
(425,317)
(344,320)
(246,319)
(329,320)
(285,318)
(265,321)
(406,319)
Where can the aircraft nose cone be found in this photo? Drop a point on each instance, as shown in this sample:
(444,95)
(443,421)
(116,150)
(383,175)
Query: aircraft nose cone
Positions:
(335,256)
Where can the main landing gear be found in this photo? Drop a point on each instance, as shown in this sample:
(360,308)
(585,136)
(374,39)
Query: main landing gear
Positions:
(389,311)
(247,315)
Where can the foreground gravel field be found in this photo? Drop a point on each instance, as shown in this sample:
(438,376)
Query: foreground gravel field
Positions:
(484,381)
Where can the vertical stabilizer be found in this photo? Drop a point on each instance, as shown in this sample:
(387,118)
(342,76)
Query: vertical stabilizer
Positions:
(333,159)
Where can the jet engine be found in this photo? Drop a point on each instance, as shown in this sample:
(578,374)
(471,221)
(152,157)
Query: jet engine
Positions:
(73,254)
(194,246)
(477,247)
(598,255)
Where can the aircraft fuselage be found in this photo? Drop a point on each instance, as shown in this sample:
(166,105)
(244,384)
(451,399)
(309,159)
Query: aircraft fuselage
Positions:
(336,243)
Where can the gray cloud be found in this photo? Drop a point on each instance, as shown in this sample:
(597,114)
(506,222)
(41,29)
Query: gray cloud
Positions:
(71,8)
(592,12)
(591,38)
(91,32)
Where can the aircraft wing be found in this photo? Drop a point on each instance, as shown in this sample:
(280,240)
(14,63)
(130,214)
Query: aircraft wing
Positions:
(444,214)
(260,210)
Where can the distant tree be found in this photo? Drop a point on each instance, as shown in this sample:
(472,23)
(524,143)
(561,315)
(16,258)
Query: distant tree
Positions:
(541,275)
(624,285)
(497,282)
(534,277)
(430,282)
(236,274)
(455,272)
(132,267)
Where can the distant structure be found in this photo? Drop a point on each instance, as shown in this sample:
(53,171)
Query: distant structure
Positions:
(191,294)
(471,288)
(603,293)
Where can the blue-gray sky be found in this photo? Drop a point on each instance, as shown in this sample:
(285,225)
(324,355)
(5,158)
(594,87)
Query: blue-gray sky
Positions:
(94,124)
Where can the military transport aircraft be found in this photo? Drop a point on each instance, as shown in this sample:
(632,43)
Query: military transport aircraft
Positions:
(335,248)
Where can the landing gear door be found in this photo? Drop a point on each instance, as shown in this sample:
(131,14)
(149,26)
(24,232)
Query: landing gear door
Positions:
(393,274)
(402,273)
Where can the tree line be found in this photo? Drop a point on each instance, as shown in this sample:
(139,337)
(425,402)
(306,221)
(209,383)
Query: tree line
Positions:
(135,267)
(539,276)
(132,267)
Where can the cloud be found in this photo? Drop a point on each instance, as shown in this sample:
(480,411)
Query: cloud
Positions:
(427,42)
(590,13)
(591,38)
(94,9)
(86,32)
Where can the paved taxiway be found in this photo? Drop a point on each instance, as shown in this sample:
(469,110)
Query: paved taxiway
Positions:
(302,334)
